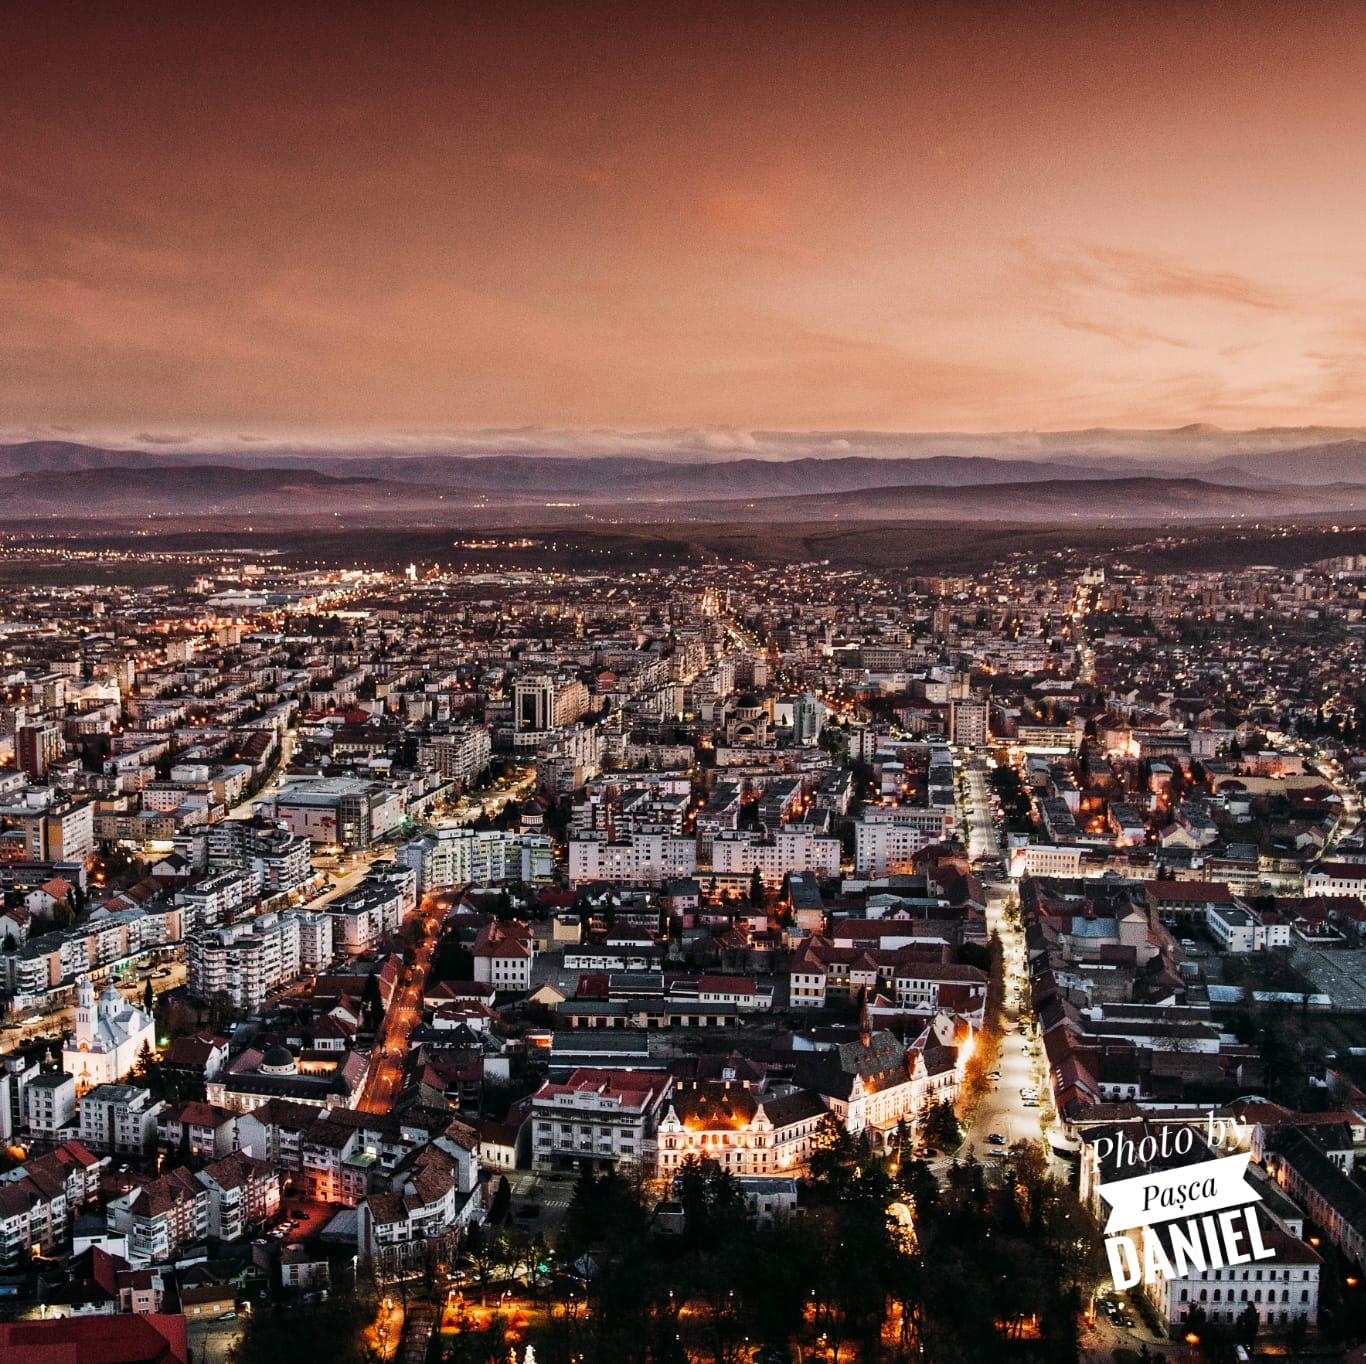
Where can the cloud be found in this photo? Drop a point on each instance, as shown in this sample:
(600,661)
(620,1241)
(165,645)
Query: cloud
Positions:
(1145,275)
(156,438)
(1125,331)
(727,440)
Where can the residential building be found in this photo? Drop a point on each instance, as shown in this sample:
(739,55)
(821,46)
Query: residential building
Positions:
(119,1119)
(503,956)
(607,1117)
(50,1103)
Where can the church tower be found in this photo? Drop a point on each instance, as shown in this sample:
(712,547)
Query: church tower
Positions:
(85,1012)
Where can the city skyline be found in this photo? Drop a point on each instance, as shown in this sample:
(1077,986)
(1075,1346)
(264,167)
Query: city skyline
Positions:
(724,221)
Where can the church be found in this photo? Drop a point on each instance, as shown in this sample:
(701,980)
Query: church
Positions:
(108,1037)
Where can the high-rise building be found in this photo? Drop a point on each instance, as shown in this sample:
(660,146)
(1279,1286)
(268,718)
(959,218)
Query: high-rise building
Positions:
(543,701)
(968,721)
(37,747)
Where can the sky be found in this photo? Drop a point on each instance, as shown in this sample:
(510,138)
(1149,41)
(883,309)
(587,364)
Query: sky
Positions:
(247,222)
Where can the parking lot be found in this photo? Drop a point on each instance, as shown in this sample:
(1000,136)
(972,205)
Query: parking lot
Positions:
(212,1341)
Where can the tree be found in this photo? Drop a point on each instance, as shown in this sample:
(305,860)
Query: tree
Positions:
(413,934)
(372,1000)
(1296,1336)
(334,1331)
(149,999)
(756,889)
(941,1127)
(222,1011)
(833,1155)
(502,1202)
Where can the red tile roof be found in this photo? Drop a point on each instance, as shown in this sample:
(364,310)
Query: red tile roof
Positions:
(142,1339)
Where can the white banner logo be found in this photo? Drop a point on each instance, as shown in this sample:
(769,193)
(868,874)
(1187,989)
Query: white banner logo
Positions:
(1166,1195)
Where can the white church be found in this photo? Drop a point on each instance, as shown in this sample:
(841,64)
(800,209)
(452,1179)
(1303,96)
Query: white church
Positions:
(108,1037)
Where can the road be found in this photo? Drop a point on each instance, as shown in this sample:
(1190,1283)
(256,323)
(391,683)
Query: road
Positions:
(1102,1337)
(347,873)
(982,840)
(384,1079)
(60,1022)
(1331,771)
(245,809)
(386,1331)
(1003,1111)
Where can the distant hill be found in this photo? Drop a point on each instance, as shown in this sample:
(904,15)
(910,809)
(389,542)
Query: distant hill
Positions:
(621,477)
(1339,462)
(1059,501)
(65,456)
(207,490)
(53,478)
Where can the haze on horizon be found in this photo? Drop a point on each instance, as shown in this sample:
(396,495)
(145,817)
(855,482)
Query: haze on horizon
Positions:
(255,222)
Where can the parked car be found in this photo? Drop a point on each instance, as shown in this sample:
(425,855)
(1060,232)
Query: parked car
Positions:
(996,1139)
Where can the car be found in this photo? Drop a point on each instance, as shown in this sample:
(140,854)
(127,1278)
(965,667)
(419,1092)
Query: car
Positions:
(993,1075)
(298,1214)
(228,1316)
(996,1139)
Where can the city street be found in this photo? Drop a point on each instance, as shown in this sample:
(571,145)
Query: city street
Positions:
(1003,1110)
(982,842)
(58,1022)
(385,1076)
(247,808)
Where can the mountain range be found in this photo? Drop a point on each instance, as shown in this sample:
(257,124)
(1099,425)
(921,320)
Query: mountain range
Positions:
(75,481)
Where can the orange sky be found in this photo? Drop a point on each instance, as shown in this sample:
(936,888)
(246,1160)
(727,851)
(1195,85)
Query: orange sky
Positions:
(898,217)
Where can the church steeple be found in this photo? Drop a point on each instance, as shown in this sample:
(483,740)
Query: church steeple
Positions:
(85,1010)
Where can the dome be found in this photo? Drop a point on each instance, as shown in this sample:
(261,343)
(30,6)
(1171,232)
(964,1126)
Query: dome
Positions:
(278,1060)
